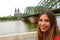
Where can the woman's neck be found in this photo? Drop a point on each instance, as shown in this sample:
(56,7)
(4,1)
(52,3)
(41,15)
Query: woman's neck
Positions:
(43,36)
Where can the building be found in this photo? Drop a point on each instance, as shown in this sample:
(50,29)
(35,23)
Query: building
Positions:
(17,13)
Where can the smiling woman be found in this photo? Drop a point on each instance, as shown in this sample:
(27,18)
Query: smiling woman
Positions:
(47,26)
(44,23)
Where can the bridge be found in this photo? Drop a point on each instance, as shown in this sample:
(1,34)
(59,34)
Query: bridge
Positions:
(33,12)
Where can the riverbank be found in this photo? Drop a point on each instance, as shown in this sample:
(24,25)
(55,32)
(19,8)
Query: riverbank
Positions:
(20,36)
(8,20)
(57,14)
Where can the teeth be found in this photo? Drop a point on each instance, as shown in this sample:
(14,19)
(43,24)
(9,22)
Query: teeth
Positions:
(44,27)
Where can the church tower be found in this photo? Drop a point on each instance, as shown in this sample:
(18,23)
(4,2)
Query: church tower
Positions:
(17,13)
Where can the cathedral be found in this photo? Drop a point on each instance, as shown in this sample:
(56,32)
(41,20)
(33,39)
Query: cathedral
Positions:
(17,12)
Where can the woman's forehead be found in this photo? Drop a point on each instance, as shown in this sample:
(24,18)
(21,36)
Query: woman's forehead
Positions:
(44,16)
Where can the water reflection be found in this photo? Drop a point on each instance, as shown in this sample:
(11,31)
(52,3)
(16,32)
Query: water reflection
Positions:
(20,26)
(30,26)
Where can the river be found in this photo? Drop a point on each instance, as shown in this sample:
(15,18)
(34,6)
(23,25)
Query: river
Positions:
(13,27)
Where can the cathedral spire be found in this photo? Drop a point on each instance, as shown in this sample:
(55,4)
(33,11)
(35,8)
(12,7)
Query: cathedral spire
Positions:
(18,10)
(15,10)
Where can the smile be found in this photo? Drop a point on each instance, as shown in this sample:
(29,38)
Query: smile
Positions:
(44,27)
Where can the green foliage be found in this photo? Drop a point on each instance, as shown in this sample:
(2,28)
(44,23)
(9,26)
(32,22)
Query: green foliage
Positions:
(13,18)
(9,18)
(3,18)
(57,14)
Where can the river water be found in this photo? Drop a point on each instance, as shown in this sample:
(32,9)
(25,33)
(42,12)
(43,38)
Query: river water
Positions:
(13,27)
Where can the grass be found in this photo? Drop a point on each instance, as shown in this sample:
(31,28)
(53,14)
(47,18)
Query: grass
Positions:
(57,14)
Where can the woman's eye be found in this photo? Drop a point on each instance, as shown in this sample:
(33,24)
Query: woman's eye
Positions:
(47,20)
(40,20)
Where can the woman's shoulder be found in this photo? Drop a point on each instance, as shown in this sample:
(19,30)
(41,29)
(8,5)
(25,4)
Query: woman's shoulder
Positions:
(57,38)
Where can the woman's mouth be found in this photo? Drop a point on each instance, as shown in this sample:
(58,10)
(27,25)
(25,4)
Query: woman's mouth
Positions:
(44,27)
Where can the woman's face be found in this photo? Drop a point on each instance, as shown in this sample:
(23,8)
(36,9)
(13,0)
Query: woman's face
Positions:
(44,23)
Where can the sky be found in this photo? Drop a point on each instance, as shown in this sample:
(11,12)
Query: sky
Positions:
(7,7)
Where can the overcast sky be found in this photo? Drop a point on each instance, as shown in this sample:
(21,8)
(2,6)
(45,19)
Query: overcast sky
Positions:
(7,7)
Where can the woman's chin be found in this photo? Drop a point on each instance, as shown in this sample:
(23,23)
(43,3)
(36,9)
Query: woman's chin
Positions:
(43,30)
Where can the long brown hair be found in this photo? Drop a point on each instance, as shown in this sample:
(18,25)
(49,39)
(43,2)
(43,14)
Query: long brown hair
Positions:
(53,31)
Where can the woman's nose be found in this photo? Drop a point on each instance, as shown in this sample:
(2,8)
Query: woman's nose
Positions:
(43,22)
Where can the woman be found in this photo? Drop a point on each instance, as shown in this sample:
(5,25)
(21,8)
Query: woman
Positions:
(47,26)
